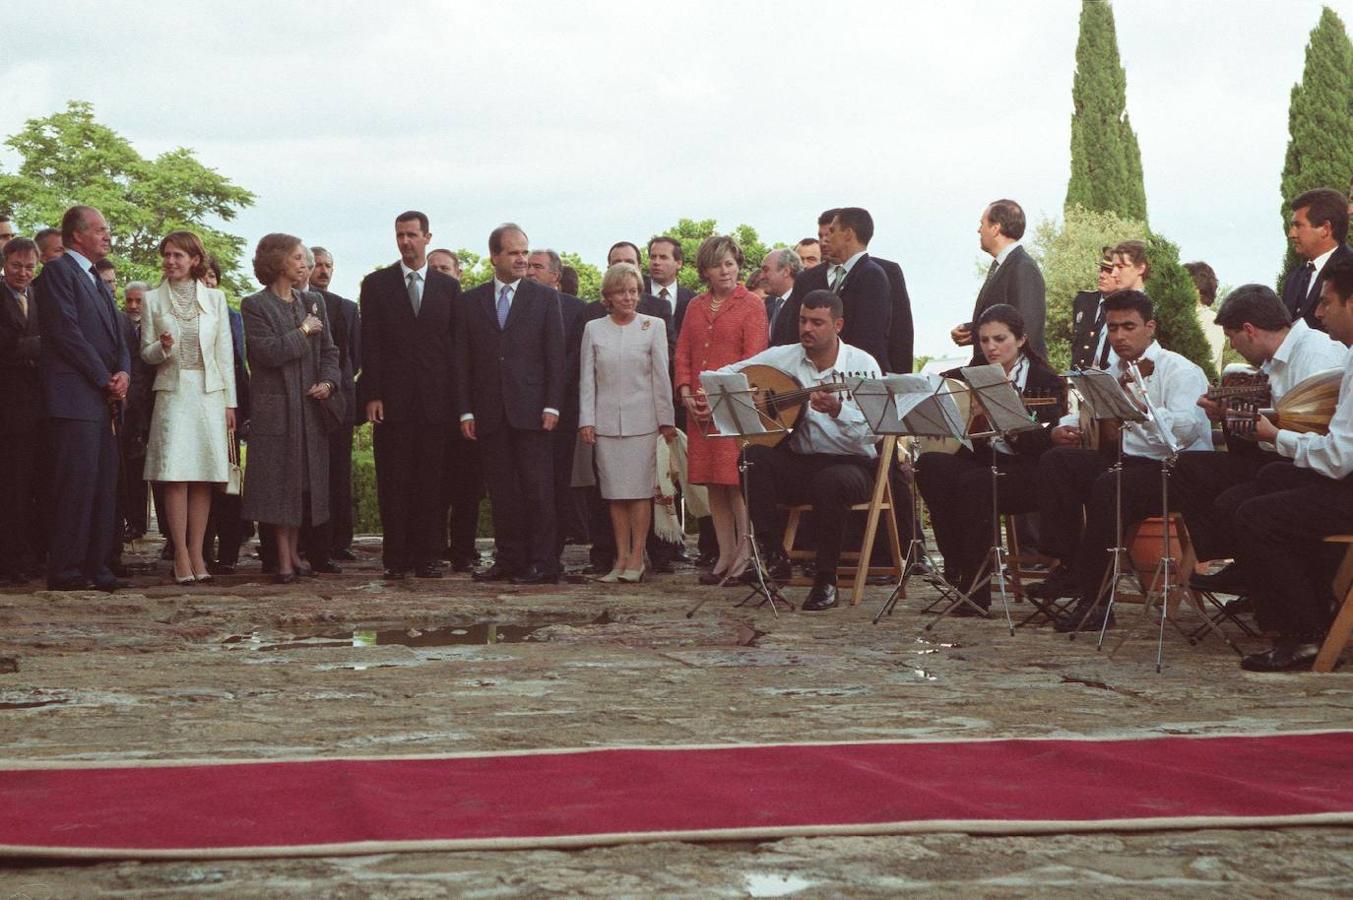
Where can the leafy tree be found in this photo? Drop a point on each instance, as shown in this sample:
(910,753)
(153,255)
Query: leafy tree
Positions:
(68,158)
(1319,119)
(476,270)
(1175,300)
(1106,162)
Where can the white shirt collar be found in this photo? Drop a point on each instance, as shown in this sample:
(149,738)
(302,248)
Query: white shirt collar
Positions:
(1284,352)
(83,262)
(671,289)
(1005,253)
(850,263)
(1319,262)
(422,272)
(499,285)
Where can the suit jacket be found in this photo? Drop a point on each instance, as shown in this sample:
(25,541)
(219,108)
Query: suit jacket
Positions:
(1019,283)
(675,315)
(867,298)
(241,369)
(140,396)
(624,387)
(574,313)
(407,359)
(648,306)
(20,345)
(344,333)
(1084,334)
(901,331)
(1304,307)
(506,377)
(213,336)
(82,345)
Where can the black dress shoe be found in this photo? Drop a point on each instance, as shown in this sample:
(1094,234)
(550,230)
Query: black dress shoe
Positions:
(112,585)
(395,574)
(596,567)
(1288,654)
(1059,583)
(221,569)
(345,555)
(431,570)
(494,572)
(327,568)
(1227,580)
(1076,619)
(822,596)
(284,578)
(69,584)
(1239,605)
(777,566)
(536,576)
(307,572)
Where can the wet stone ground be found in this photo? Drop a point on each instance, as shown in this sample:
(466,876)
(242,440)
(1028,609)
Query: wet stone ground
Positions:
(348,665)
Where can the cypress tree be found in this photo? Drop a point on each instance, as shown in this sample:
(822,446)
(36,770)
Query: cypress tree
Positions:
(1106,164)
(1320,120)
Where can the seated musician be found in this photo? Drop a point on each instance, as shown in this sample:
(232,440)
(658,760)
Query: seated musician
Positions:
(1279,534)
(1072,479)
(828,461)
(957,486)
(1210,485)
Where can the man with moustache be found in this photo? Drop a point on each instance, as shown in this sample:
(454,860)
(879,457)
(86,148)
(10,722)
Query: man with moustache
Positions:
(345,325)
(21,414)
(1318,231)
(445,261)
(407,313)
(84,364)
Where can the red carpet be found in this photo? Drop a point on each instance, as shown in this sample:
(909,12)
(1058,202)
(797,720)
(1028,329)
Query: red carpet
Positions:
(586,797)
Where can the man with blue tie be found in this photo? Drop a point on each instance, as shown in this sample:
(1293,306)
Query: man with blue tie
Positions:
(84,365)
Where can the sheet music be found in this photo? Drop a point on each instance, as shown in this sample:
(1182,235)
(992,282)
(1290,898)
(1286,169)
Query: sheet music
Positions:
(920,407)
(1104,395)
(732,404)
(999,399)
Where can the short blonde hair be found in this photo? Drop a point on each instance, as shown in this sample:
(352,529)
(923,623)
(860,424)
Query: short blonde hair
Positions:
(712,249)
(614,278)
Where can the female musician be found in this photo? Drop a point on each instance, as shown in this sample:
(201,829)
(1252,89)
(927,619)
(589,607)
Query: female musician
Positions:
(957,487)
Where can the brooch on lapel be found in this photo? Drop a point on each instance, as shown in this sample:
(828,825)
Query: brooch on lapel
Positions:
(644,325)
(1080,315)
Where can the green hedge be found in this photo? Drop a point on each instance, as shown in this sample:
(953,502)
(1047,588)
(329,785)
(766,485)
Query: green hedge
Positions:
(366,514)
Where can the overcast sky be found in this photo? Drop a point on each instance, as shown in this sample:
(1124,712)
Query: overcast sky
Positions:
(591,122)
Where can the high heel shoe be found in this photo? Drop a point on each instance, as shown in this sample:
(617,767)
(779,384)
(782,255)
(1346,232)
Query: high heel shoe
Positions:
(610,577)
(182,580)
(631,576)
(203,578)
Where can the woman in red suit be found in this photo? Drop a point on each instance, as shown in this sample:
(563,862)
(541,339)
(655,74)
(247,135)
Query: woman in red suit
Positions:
(725,324)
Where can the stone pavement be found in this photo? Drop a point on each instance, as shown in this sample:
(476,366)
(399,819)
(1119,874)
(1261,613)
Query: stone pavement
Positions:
(347,665)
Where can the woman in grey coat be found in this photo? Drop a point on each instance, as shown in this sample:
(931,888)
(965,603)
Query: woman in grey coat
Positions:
(293,368)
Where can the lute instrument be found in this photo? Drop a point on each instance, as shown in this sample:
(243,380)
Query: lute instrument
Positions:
(1241,393)
(1102,434)
(783,399)
(1309,406)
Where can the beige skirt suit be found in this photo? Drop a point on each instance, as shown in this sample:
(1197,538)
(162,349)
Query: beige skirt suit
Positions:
(624,393)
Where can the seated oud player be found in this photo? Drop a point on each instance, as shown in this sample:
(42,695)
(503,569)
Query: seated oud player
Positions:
(957,486)
(1072,479)
(829,459)
(1211,484)
(1280,533)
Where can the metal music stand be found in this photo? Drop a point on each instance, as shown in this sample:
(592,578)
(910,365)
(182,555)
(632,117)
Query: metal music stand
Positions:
(911,406)
(1107,401)
(736,417)
(996,399)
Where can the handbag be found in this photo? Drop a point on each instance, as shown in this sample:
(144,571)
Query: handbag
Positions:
(334,410)
(235,475)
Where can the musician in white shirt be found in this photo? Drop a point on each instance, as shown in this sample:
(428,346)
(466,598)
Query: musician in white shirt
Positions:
(1212,485)
(829,460)
(1280,533)
(1072,480)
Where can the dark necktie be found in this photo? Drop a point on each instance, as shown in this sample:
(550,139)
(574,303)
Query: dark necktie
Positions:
(1303,288)
(775,304)
(1099,332)
(665,297)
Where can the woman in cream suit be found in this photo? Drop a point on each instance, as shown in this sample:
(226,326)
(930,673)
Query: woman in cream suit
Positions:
(187,337)
(626,399)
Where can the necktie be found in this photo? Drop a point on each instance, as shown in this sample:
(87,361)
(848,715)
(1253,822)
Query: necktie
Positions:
(415,293)
(1102,337)
(838,276)
(665,296)
(23,304)
(775,304)
(992,270)
(1303,289)
(503,305)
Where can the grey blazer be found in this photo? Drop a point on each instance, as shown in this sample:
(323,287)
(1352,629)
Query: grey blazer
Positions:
(1019,283)
(623,385)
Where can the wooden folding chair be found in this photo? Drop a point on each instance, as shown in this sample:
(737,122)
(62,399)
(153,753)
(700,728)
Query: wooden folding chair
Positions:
(1342,629)
(854,564)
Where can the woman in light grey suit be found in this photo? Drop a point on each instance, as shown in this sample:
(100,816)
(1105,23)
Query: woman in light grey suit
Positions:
(625,400)
(187,337)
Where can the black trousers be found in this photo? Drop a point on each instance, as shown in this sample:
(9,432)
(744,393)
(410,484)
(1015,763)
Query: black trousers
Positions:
(1073,482)
(562,442)
(1211,486)
(134,492)
(957,491)
(462,489)
(832,484)
(20,507)
(340,489)
(1279,546)
(519,471)
(84,500)
(409,460)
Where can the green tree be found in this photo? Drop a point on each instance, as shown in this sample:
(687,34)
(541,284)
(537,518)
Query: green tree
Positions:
(476,270)
(1319,120)
(1106,163)
(68,158)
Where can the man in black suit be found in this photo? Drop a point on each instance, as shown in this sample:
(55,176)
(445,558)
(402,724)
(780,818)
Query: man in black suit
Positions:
(1089,341)
(779,268)
(407,313)
(21,425)
(852,274)
(136,418)
(84,364)
(1318,233)
(345,326)
(1013,278)
(509,361)
(545,267)
(664,264)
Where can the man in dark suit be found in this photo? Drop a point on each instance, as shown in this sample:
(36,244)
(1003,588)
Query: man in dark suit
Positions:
(509,360)
(1013,278)
(136,419)
(779,268)
(1089,341)
(664,264)
(407,325)
(21,416)
(545,267)
(84,364)
(851,274)
(345,326)
(1318,232)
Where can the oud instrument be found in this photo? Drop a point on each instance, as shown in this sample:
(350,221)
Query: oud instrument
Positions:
(1309,406)
(1102,434)
(783,399)
(1241,393)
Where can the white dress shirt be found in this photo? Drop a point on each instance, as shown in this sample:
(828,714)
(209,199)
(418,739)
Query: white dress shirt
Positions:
(1174,388)
(1319,263)
(1302,353)
(1329,454)
(816,432)
(671,294)
(1005,253)
(85,265)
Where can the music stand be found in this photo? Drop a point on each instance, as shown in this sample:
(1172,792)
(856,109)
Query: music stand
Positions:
(735,415)
(1107,401)
(996,400)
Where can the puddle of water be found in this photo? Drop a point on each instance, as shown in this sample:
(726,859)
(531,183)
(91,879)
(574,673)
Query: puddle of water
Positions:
(768,884)
(478,634)
(924,675)
(30,704)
